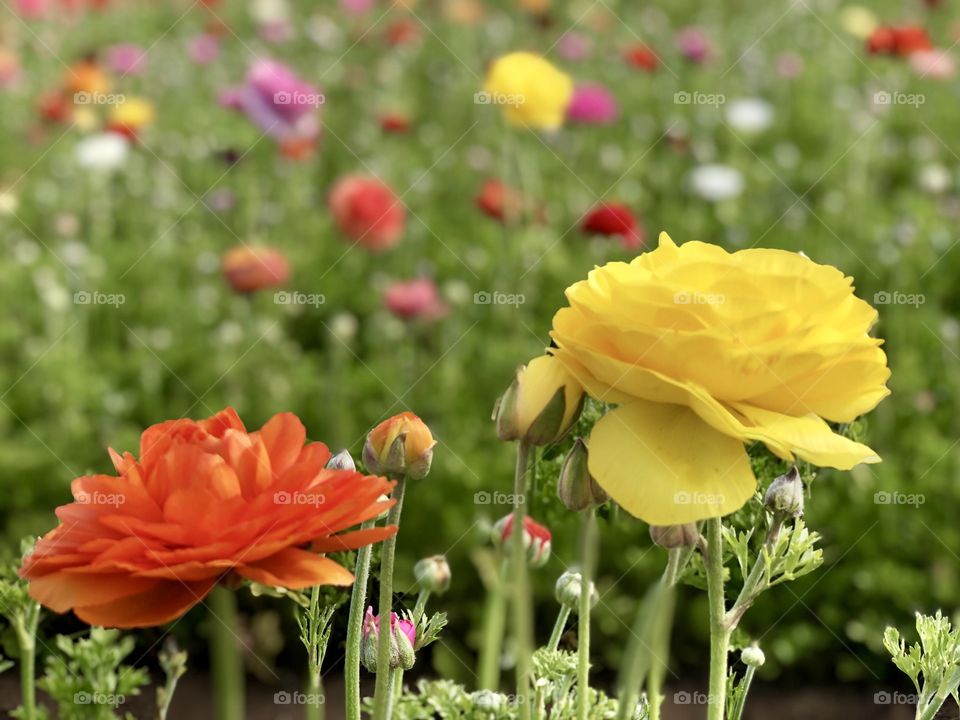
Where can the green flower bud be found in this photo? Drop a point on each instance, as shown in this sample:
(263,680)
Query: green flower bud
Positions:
(675,536)
(785,494)
(433,574)
(568,589)
(576,487)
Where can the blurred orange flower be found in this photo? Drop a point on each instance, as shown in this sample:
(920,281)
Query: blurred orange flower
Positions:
(206,501)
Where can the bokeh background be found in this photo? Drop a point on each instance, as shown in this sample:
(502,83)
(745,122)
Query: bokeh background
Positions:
(743,123)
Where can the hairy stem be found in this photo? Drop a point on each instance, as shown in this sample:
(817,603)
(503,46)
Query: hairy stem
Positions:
(719,630)
(494,623)
(558,627)
(226,665)
(522,610)
(588,558)
(384,689)
(358,601)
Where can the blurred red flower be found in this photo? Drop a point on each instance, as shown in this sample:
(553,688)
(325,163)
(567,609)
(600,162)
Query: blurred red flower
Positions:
(368,212)
(614,219)
(206,502)
(902,41)
(642,57)
(499,201)
(415,299)
(249,269)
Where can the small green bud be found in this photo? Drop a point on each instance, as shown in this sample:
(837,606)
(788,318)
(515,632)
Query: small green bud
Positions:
(568,589)
(576,487)
(433,574)
(785,494)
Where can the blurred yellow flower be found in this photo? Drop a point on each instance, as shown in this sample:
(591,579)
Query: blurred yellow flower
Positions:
(132,114)
(704,350)
(532,92)
(858,21)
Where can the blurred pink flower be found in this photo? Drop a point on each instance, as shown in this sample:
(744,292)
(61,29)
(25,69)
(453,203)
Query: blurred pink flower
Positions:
(32,9)
(126,59)
(356,7)
(933,63)
(593,105)
(789,65)
(10,71)
(203,49)
(276,100)
(415,299)
(276,31)
(573,45)
(694,44)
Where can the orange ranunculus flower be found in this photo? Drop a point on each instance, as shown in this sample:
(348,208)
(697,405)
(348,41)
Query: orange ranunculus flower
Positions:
(205,501)
(402,445)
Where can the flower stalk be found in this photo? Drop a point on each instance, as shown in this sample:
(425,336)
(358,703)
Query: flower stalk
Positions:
(225,662)
(588,555)
(358,602)
(384,687)
(719,627)
(495,617)
(26,631)
(522,610)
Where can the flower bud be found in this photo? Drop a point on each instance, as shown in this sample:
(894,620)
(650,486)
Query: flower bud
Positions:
(540,405)
(341,461)
(576,487)
(433,574)
(752,656)
(785,494)
(568,589)
(675,536)
(536,538)
(402,641)
(401,445)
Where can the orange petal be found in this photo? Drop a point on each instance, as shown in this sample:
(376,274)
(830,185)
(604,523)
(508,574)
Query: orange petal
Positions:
(163,603)
(296,569)
(354,540)
(283,436)
(63,590)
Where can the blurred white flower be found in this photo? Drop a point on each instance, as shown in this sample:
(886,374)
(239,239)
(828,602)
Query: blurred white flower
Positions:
(8,202)
(102,152)
(716,182)
(343,326)
(935,178)
(749,115)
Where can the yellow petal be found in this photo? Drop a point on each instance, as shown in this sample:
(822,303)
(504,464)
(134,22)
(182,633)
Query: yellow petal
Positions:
(664,465)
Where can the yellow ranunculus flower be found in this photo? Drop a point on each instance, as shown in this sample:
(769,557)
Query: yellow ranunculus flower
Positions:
(703,350)
(531,91)
(133,113)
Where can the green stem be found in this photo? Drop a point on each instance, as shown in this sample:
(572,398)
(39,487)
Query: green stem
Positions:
(588,555)
(314,709)
(522,611)
(656,609)
(381,702)
(358,602)
(719,630)
(226,665)
(737,712)
(558,627)
(26,638)
(495,621)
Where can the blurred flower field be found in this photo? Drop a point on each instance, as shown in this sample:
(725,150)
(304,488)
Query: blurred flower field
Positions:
(323,208)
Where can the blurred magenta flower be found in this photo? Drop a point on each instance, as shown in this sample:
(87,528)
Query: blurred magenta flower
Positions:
(32,9)
(694,44)
(356,7)
(203,49)
(126,59)
(276,100)
(593,105)
(414,300)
